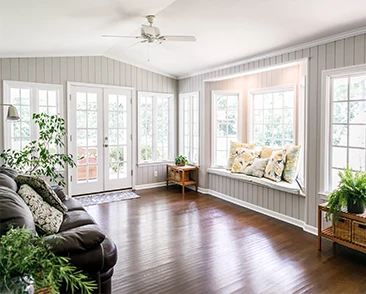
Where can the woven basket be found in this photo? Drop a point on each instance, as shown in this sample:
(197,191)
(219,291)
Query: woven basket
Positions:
(178,176)
(359,233)
(342,229)
(46,290)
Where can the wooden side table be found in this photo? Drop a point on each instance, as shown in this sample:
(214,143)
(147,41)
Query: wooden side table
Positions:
(180,175)
(351,232)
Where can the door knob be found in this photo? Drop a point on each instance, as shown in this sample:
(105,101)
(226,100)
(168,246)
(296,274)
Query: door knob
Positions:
(105,145)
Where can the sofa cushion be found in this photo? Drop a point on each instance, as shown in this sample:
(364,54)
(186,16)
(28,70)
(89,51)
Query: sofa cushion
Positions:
(8,182)
(275,166)
(292,159)
(77,239)
(267,151)
(76,218)
(14,211)
(43,189)
(73,204)
(8,171)
(46,217)
(257,167)
(243,158)
(232,154)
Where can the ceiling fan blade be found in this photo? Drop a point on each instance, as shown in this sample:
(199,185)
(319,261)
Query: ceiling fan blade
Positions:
(118,36)
(144,41)
(180,38)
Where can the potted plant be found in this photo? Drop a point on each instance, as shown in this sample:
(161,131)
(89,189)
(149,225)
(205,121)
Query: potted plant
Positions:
(27,259)
(351,193)
(181,160)
(42,157)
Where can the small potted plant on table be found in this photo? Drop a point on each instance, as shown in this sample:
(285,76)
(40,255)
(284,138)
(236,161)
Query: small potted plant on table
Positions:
(351,193)
(181,160)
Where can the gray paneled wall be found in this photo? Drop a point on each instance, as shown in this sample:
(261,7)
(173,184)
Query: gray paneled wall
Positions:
(87,69)
(345,52)
(285,203)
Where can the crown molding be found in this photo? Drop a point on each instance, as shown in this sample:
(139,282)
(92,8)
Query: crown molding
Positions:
(302,46)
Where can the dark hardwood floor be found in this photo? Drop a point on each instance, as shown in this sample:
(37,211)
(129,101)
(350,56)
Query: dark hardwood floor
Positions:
(201,244)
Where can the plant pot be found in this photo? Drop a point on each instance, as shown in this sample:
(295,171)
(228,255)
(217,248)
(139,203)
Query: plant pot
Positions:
(181,164)
(357,207)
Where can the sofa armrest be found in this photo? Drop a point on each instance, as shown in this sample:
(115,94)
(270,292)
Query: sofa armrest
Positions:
(81,238)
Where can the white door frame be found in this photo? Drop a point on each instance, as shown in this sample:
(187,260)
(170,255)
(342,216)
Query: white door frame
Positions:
(133,125)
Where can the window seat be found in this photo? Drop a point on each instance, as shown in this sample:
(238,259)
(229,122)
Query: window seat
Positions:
(281,186)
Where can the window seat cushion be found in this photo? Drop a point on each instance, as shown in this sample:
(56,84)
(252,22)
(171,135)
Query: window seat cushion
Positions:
(292,188)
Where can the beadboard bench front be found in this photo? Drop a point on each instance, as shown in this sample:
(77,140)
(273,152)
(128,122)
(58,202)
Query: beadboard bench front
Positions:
(281,200)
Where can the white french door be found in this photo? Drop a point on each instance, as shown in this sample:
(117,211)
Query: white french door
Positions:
(100,139)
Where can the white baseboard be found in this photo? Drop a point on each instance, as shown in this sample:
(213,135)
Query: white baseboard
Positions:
(271,213)
(149,186)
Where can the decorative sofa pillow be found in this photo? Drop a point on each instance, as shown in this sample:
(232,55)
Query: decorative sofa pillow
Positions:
(233,154)
(46,217)
(292,159)
(257,167)
(243,158)
(275,166)
(43,189)
(267,151)
(8,171)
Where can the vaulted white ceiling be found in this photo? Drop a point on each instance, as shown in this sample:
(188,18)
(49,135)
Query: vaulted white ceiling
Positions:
(226,30)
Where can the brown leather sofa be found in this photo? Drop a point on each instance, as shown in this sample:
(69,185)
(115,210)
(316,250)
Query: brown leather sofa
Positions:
(79,237)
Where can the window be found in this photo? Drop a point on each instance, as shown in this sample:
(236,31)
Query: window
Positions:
(226,125)
(272,116)
(189,126)
(155,127)
(344,125)
(28,98)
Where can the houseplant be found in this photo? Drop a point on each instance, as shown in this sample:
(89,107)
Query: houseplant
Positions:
(351,193)
(181,160)
(26,258)
(42,157)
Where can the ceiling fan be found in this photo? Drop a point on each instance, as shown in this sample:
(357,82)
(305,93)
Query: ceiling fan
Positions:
(150,34)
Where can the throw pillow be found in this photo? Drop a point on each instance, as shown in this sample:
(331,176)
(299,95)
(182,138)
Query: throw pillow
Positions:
(267,151)
(292,159)
(46,217)
(275,166)
(244,157)
(59,192)
(232,153)
(43,189)
(8,182)
(257,168)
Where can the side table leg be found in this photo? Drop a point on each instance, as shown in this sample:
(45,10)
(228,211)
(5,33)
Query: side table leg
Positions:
(167,175)
(319,229)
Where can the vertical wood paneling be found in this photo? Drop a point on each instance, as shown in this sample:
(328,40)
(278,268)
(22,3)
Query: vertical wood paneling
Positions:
(339,53)
(360,49)
(86,69)
(349,51)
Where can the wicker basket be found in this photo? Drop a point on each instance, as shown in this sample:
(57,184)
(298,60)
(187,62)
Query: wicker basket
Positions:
(172,174)
(178,176)
(359,233)
(342,229)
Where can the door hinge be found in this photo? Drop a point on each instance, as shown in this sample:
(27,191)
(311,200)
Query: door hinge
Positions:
(70,138)
(70,97)
(131,172)
(131,136)
(130,100)
(70,178)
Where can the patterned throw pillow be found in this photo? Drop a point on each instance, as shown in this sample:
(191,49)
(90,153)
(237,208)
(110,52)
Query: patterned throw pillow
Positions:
(292,159)
(46,217)
(267,151)
(244,157)
(43,189)
(275,166)
(232,154)
(257,168)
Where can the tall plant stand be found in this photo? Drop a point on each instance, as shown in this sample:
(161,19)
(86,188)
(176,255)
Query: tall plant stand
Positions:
(350,230)
(180,175)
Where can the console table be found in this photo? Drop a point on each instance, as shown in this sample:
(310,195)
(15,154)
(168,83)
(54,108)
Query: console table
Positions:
(181,175)
(350,230)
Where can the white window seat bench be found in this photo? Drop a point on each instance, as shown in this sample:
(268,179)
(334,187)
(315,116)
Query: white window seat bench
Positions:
(283,186)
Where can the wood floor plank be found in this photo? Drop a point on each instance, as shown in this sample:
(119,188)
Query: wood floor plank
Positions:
(201,244)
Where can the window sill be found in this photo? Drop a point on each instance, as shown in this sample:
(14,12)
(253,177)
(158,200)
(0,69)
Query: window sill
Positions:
(281,186)
(144,164)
